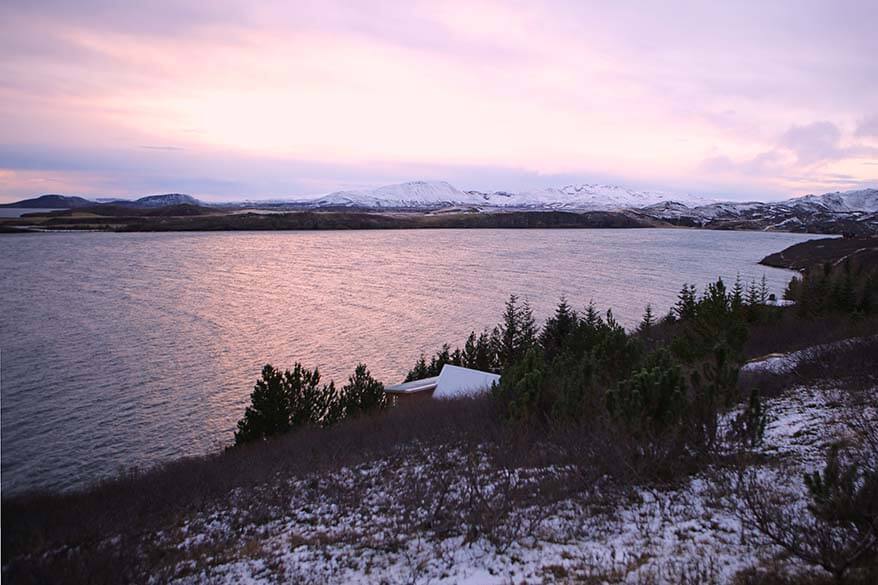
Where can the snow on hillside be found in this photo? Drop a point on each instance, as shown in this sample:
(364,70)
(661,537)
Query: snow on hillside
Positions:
(840,201)
(166,200)
(429,194)
(691,532)
(432,194)
(598,197)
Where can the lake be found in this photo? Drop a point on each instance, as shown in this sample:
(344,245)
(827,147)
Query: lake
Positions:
(121,350)
(20,211)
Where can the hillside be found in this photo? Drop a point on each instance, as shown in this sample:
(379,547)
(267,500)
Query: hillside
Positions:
(50,202)
(818,252)
(852,212)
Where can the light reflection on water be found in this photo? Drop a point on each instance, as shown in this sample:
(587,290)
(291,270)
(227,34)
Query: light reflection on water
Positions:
(131,349)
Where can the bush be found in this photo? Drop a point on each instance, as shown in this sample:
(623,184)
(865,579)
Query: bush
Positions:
(850,288)
(295,398)
(652,399)
(838,528)
(282,401)
(362,394)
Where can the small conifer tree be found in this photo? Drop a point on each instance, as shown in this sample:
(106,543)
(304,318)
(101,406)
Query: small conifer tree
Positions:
(648,321)
(737,298)
(686,303)
(558,329)
(269,411)
(283,401)
(362,394)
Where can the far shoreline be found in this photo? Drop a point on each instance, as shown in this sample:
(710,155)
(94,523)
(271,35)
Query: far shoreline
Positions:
(176,220)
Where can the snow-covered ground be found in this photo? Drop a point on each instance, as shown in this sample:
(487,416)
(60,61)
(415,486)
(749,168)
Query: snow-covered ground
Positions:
(781,363)
(428,194)
(353,526)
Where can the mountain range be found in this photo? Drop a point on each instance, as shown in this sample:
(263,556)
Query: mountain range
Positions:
(849,211)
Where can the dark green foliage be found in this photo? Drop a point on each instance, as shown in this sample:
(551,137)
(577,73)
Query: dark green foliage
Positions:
(521,388)
(310,402)
(592,318)
(648,321)
(573,393)
(737,296)
(653,398)
(516,333)
(845,493)
(708,344)
(422,369)
(269,412)
(558,330)
(844,506)
(479,352)
(686,302)
(362,394)
(490,352)
(281,401)
(848,288)
(566,381)
(749,425)
(711,327)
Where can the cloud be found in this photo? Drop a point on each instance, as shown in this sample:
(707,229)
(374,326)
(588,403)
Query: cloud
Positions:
(160,147)
(815,142)
(763,164)
(868,127)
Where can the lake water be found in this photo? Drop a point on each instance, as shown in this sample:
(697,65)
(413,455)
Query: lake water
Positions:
(120,350)
(19,211)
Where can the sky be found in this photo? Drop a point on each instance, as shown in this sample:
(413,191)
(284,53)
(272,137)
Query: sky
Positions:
(253,100)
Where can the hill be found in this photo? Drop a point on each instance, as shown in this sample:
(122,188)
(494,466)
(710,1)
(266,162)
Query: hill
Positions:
(51,201)
(831,250)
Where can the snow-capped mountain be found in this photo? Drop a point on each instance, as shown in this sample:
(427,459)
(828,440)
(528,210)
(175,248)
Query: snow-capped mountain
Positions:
(415,194)
(850,211)
(588,197)
(840,201)
(436,194)
(166,200)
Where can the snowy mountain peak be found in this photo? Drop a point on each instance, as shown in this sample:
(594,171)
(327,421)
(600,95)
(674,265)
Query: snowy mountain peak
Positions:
(167,199)
(433,194)
(413,194)
(840,201)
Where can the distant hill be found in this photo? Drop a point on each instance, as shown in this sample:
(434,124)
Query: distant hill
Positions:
(51,202)
(71,202)
(818,252)
(849,212)
(166,200)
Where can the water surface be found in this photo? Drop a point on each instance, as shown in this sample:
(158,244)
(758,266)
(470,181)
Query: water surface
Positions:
(121,350)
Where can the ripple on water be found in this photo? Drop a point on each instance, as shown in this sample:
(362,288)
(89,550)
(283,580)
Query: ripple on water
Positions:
(132,349)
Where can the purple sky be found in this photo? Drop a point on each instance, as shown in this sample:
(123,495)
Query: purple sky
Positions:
(232,100)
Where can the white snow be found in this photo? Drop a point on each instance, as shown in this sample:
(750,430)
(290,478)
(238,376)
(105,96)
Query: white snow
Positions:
(840,201)
(432,194)
(455,381)
(781,363)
